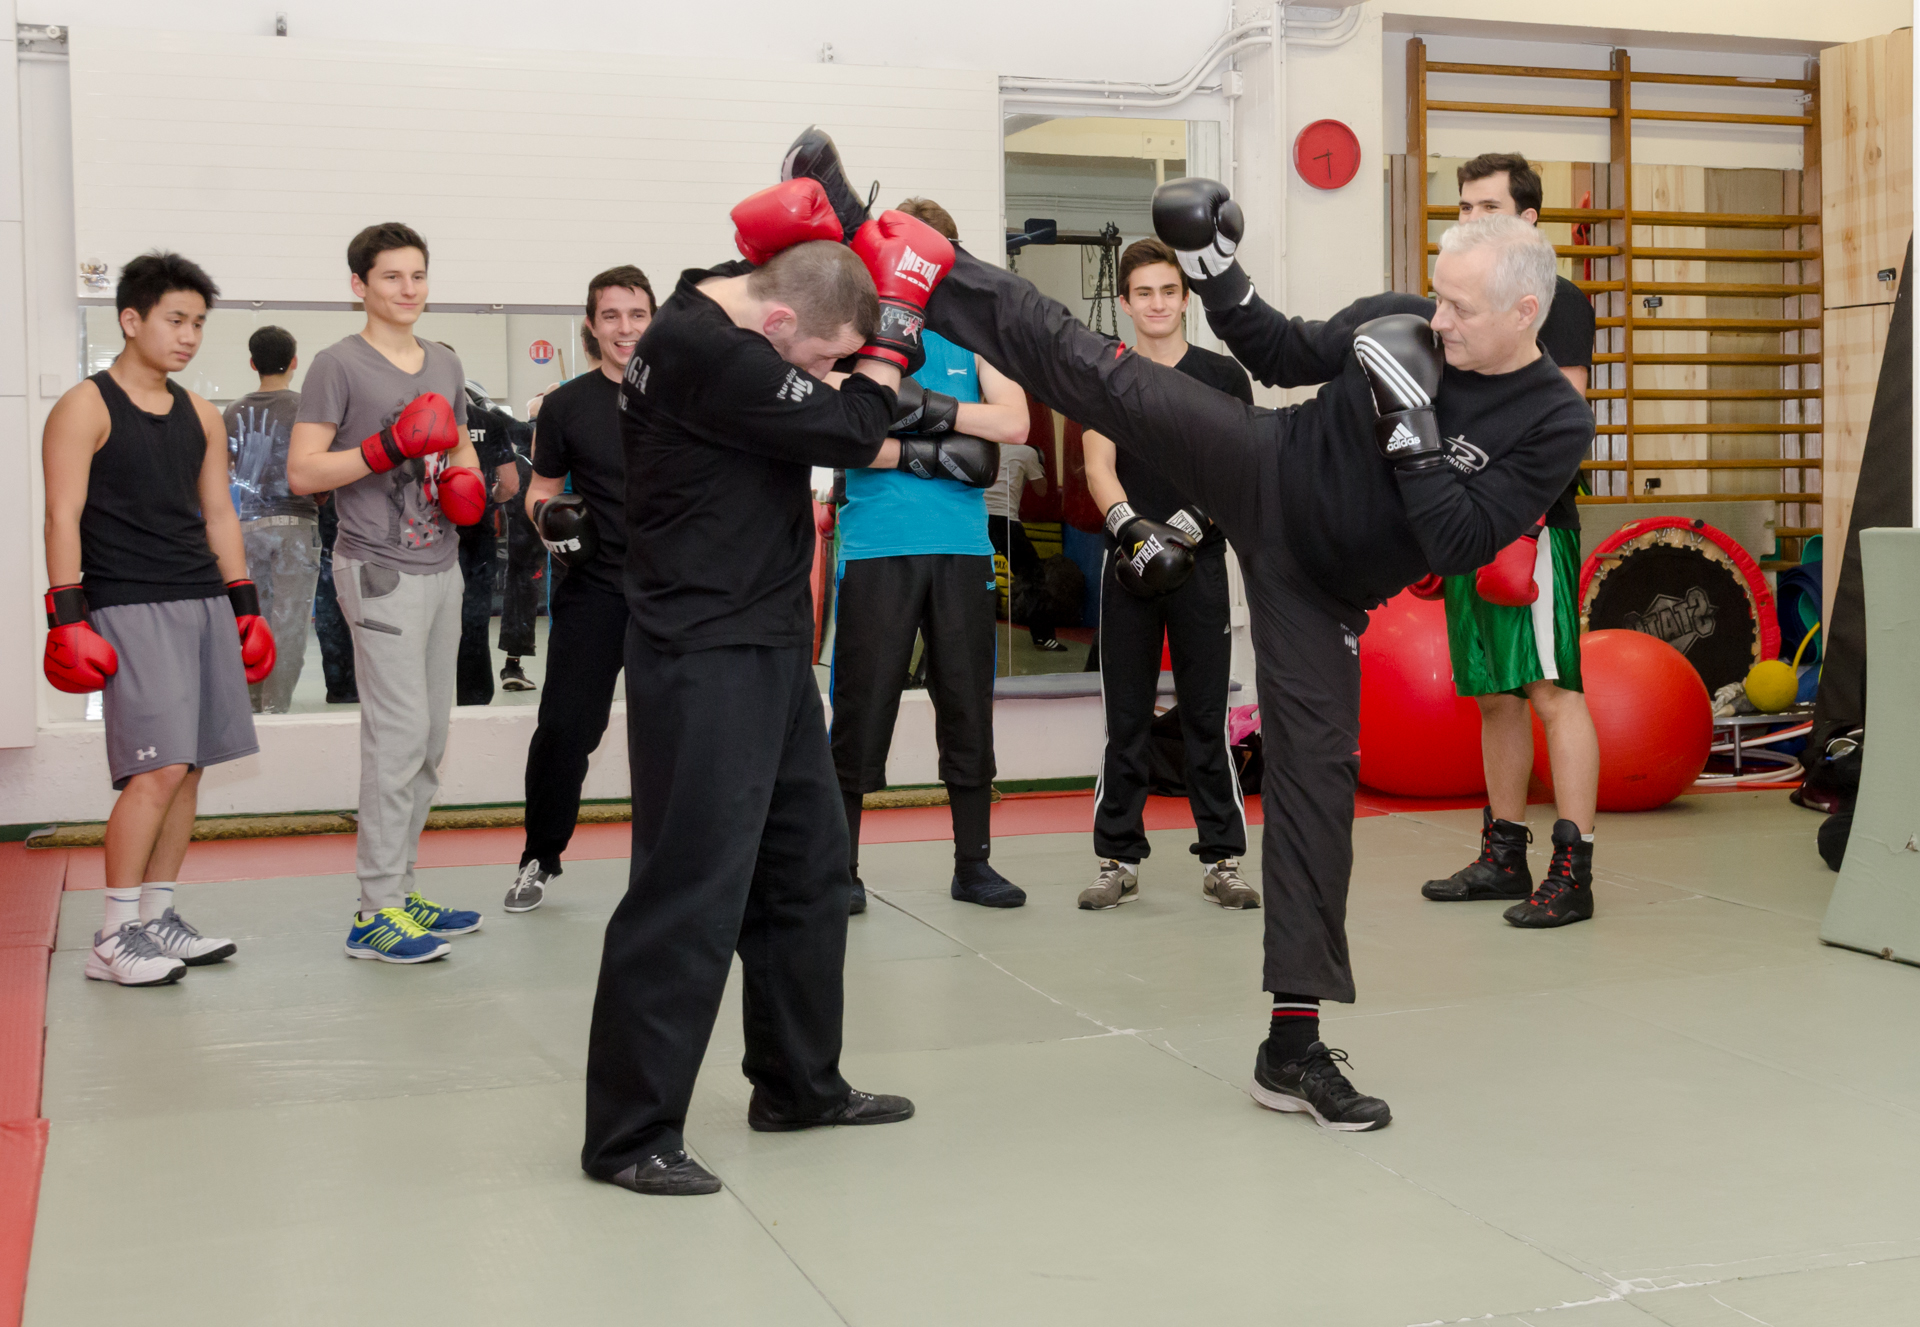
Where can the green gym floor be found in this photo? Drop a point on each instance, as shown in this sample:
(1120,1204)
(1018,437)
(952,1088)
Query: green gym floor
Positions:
(1686,1112)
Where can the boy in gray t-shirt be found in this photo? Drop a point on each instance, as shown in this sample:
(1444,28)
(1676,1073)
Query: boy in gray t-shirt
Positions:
(395,570)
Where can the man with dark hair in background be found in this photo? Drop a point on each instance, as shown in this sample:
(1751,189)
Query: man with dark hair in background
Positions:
(577,445)
(738,841)
(493,432)
(382,425)
(149,588)
(915,558)
(1513,629)
(1181,599)
(281,530)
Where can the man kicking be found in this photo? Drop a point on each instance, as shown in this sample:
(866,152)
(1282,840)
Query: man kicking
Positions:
(739,842)
(1429,449)
(150,581)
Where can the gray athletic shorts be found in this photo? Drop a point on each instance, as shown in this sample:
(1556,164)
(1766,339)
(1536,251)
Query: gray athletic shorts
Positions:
(180,697)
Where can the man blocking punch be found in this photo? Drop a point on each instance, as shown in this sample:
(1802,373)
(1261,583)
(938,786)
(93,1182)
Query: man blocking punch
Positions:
(1430,454)
(739,843)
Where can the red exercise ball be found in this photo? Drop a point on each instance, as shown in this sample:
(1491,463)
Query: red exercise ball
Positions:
(1651,713)
(1417,738)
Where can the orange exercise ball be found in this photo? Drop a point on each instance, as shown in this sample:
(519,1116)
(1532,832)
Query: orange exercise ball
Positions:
(1651,713)
(1417,738)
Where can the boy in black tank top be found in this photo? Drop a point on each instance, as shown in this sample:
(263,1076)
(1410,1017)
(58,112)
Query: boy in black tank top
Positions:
(151,604)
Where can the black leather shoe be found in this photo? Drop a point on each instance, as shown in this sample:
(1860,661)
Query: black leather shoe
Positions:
(977,882)
(814,157)
(668,1175)
(858,1108)
(858,903)
(1500,872)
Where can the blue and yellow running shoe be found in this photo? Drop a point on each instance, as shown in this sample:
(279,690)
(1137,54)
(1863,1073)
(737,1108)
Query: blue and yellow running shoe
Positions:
(391,936)
(439,920)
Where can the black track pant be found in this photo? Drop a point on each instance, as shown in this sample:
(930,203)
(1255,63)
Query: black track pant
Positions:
(585,649)
(1194,619)
(329,625)
(1230,458)
(739,846)
(473,676)
(526,579)
(879,604)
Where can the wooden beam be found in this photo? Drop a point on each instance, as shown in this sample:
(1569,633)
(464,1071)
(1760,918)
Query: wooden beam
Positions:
(1641,324)
(1731,255)
(1620,151)
(1440,211)
(1418,212)
(1675,430)
(1521,108)
(1713,357)
(1757,290)
(1694,497)
(1703,463)
(1722,117)
(1708,393)
(1746,220)
(1520,71)
(1723,81)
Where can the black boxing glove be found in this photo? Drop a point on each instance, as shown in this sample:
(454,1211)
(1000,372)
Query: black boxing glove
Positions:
(1155,558)
(923,411)
(961,457)
(1191,522)
(565,526)
(1403,363)
(1202,225)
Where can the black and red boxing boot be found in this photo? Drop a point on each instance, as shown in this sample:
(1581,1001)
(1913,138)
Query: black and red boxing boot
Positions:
(1499,872)
(814,157)
(1566,890)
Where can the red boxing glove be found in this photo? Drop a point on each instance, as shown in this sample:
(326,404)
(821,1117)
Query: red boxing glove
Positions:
(791,212)
(78,658)
(463,494)
(1429,586)
(907,258)
(1508,579)
(256,641)
(424,426)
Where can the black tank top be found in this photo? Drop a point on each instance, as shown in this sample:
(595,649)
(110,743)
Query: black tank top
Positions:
(143,539)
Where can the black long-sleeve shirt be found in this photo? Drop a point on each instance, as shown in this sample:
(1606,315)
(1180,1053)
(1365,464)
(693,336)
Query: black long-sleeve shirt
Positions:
(720,435)
(1365,530)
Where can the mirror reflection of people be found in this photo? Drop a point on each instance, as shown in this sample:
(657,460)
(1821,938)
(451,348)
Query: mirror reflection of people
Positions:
(151,605)
(577,448)
(915,559)
(1191,617)
(281,529)
(1021,469)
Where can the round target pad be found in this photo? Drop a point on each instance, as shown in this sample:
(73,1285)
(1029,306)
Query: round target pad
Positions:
(1691,586)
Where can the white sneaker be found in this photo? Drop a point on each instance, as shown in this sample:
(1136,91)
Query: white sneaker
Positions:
(529,889)
(130,957)
(177,938)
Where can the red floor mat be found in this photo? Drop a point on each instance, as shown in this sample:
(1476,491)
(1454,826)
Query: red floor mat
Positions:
(30,881)
(23,1149)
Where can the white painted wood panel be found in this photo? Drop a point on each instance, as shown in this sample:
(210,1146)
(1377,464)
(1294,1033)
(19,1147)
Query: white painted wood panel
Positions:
(526,171)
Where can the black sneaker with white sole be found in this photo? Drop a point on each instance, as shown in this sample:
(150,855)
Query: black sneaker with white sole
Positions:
(814,157)
(514,678)
(1313,1085)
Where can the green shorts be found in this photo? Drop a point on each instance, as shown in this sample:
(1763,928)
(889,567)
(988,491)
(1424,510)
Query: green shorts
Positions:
(1498,649)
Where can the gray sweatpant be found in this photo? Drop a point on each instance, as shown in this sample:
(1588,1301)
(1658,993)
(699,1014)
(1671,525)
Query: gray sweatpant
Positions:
(283,557)
(406,637)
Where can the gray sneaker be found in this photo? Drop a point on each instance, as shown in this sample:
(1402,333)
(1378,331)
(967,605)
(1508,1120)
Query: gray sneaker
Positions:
(177,938)
(1222,884)
(529,889)
(1117,883)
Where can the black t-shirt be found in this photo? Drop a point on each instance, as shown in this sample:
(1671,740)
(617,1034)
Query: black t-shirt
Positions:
(1364,530)
(1567,337)
(577,433)
(1147,492)
(720,436)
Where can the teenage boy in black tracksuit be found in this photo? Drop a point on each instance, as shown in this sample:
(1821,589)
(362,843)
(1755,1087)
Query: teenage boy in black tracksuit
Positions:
(490,430)
(1192,616)
(577,439)
(1412,465)
(739,841)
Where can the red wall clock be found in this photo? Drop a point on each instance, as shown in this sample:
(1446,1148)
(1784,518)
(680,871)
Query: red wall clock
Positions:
(1326,154)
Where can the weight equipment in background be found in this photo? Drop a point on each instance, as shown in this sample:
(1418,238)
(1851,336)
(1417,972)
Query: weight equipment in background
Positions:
(1686,583)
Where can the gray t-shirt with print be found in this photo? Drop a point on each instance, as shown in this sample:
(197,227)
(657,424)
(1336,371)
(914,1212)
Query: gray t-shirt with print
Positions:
(384,518)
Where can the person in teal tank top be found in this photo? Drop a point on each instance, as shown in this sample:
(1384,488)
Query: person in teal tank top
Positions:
(915,560)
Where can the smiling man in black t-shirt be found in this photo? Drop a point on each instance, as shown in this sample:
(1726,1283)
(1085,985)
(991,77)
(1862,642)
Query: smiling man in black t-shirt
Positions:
(1192,616)
(577,437)
(1514,634)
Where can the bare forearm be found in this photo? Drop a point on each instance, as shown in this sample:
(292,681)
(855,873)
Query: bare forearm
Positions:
(1102,481)
(542,489)
(63,548)
(229,550)
(996,423)
(323,471)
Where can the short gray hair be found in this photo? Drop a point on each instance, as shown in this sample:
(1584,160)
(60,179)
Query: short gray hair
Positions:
(1524,262)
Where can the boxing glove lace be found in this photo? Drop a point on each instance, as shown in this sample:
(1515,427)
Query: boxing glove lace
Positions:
(78,659)
(424,426)
(962,457)
(781,216)
(1202,225)
(907,258)
(1403,363)
(257,650)
(1508,579)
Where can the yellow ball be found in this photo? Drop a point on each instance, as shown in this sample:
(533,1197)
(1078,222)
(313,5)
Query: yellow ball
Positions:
(1772,685)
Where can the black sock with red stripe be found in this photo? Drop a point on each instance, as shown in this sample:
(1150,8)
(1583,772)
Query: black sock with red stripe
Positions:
(1296,1025)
